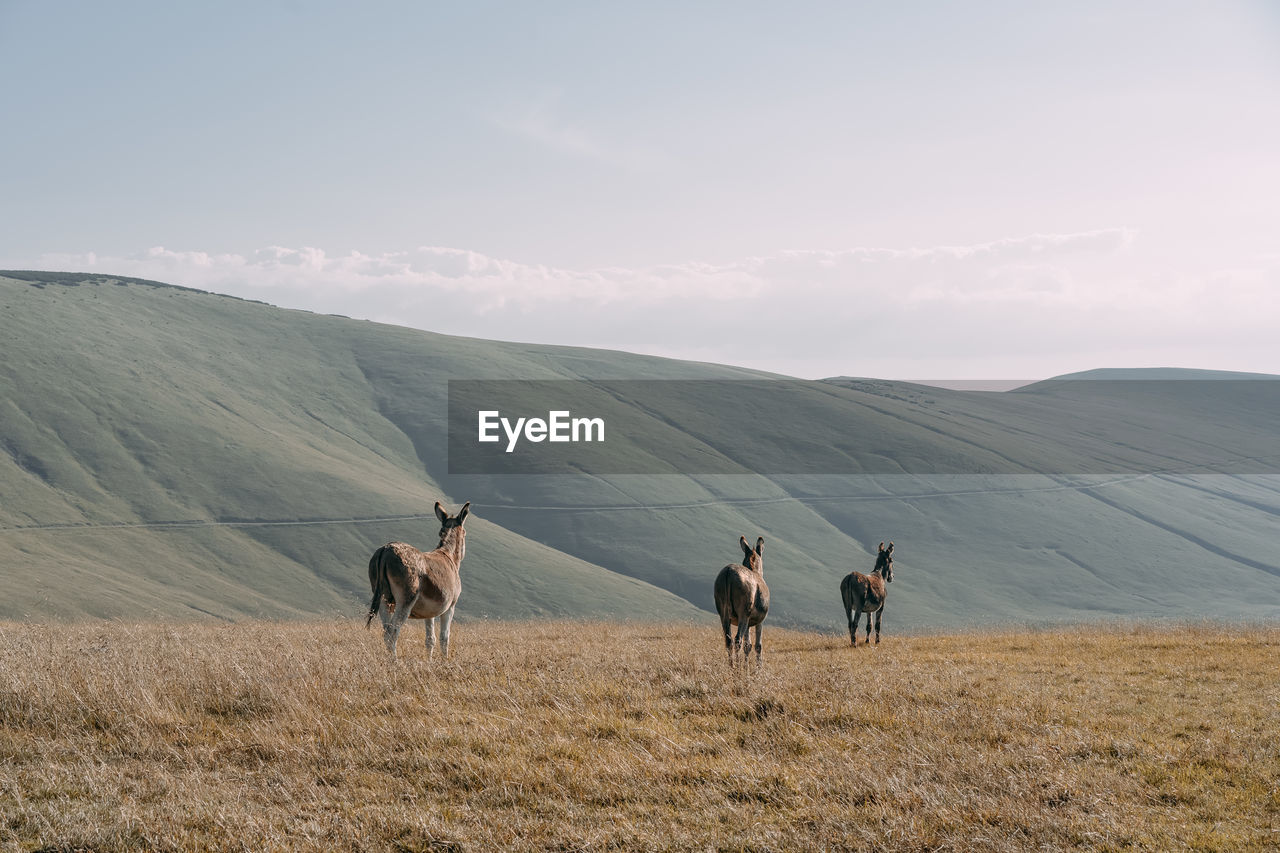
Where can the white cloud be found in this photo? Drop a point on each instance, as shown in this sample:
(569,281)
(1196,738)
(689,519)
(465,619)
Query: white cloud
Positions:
(1040,303)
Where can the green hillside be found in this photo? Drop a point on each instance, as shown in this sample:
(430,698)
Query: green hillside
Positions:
(135,404)
(168,452)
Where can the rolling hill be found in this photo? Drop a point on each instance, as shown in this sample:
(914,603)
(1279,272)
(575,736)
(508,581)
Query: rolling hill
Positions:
(173,453)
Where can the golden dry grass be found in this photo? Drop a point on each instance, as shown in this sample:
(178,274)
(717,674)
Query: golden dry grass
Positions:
(575,736)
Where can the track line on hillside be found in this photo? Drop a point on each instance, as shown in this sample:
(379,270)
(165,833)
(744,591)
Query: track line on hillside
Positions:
(381,519)
(779,499)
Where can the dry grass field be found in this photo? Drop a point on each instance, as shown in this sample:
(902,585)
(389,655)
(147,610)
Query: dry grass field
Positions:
(570,736)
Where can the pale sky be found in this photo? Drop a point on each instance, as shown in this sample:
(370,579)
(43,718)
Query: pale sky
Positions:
(904,190)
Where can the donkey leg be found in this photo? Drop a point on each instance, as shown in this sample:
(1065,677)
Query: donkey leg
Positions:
(386,617)
(446,619)
(431,637)
(759,645)
(853,626)
(728,638)
(879,614)
(391,631)
(390,627)
(743,640)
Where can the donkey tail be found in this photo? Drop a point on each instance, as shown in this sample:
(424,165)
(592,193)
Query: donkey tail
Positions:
(378,579)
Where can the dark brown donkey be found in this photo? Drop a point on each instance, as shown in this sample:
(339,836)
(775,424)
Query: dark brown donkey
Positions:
(408,583)
(742,599)
(866,594)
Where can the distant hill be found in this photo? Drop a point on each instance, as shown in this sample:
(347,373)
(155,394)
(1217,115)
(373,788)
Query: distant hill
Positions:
(173,453)
(1182,374)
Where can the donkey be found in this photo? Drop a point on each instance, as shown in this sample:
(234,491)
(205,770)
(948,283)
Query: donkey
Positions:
(408,583)
(742,599)
(866,594)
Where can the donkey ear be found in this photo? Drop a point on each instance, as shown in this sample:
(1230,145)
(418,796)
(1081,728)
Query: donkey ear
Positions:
(890,547)
(441,514)
(760,546)
(466,510)
(742,540)
(881,546)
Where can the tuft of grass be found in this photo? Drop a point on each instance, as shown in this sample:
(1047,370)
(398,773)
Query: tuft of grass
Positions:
(592,736)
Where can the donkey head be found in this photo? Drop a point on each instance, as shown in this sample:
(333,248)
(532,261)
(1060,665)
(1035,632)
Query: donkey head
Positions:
(451,527)
(752,558)
(884,562)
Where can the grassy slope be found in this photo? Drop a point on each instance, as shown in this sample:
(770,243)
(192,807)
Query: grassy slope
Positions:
(635,737)
(139,403)
(135,404)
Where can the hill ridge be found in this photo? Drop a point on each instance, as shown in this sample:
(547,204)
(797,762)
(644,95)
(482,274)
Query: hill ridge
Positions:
(141,405)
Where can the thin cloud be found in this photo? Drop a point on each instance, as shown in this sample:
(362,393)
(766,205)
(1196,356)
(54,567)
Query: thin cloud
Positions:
(1067,299)
(1008,269)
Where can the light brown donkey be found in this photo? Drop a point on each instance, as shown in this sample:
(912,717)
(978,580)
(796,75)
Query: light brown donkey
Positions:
(408,583)
(866,594)
(742,599)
